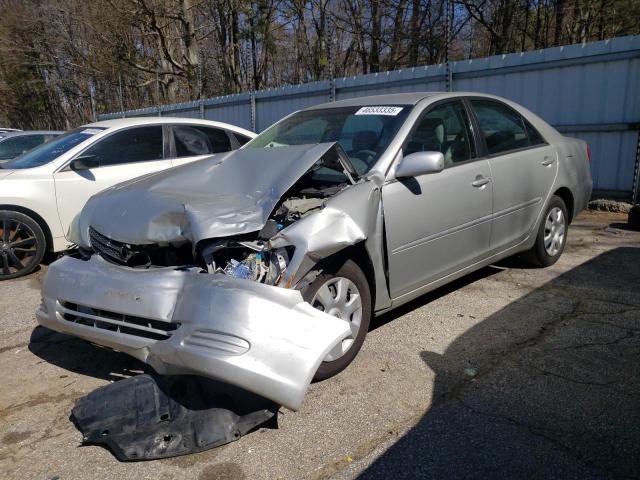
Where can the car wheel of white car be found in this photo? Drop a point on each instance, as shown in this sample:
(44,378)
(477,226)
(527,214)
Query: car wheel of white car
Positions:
(344,293)
(22,244)
(552,235)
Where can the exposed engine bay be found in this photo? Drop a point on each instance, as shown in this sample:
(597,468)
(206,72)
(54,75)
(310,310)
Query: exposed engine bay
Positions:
(252,258)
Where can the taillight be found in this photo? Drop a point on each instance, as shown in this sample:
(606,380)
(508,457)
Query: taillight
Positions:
(588,154)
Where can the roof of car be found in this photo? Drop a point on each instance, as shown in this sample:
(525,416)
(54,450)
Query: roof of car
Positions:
(411,98)
(135,121)
(391,99)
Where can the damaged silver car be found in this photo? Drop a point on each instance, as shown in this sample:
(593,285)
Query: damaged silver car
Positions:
(262,267)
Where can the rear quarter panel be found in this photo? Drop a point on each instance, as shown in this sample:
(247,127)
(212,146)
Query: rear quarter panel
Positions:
(574,170)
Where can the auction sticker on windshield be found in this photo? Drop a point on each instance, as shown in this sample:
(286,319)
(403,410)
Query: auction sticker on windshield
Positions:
(91,131)
(379,111)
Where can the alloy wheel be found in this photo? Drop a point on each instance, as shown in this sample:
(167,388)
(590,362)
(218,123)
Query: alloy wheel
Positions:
(554,231)
(18,247)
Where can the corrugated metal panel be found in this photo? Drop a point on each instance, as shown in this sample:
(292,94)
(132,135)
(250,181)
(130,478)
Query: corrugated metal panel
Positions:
(591,90)
(273,104)
(612,158)
(234,109)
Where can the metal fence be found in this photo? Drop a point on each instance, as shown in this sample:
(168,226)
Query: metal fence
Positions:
(590,91)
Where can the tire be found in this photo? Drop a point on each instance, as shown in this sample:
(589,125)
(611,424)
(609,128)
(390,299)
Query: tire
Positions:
(552,235)
(634,217)
(349,278)
(22,244)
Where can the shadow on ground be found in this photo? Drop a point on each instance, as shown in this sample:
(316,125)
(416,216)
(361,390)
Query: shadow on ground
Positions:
(421,301)
(548,387)
(82,357)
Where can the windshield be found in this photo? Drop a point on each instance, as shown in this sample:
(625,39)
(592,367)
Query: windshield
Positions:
(49,151)
(363,132)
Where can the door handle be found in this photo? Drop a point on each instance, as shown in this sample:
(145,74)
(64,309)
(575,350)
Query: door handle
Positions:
(480,181)
(548,161)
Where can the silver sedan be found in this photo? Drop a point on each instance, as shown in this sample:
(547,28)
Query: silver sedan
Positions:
(263,267)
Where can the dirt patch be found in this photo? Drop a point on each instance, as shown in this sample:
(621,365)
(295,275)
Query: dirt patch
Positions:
(222,471)
(609,206)
(12,438)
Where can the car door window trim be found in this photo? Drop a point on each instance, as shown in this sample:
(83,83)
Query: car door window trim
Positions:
(66,167)
(425,110)
(480,135)
(429,109)
(233,144)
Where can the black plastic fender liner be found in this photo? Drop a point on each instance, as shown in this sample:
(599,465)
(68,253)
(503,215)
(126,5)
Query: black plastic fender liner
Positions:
(146,417)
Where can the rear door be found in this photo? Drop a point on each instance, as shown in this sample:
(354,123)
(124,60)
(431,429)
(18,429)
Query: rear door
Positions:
(189,143)
(121,156)
(439,223)
(523,168)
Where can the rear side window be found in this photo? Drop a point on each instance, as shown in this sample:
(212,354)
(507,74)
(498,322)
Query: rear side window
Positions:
(140,144)
(191,140)
(503,129)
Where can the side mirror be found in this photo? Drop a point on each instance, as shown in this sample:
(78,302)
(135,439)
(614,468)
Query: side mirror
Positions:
(420,163)
(84,162)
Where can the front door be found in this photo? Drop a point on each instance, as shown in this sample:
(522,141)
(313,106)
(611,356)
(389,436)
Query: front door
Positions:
(121,156)
(437,224)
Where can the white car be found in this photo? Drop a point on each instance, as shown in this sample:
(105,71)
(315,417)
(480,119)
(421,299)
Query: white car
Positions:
(42,191)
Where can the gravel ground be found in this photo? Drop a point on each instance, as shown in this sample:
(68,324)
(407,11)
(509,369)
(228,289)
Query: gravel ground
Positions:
(510,372)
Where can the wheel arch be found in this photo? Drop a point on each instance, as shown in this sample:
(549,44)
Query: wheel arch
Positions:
(567,197)
(36,218)
(359,254)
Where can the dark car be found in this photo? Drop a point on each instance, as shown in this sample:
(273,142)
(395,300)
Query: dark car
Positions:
(14,144)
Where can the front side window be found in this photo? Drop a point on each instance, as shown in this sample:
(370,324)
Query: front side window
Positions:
(47,152)
(140,144)
(445,128)
(502,128)
(363,132)
(191,140)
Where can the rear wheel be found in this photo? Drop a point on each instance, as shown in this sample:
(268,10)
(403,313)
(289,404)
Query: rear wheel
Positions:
(552,235)
(342,291)
(22,244)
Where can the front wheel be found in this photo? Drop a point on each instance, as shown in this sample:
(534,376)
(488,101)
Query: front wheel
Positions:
(552,235)
(342,291)
(22,244)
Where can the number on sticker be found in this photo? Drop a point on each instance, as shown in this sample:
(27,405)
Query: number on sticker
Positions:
(381,110)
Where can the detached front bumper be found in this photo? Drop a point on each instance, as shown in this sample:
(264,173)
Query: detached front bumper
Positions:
(264,339)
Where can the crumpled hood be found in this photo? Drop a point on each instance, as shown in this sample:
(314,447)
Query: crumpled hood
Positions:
(227,194)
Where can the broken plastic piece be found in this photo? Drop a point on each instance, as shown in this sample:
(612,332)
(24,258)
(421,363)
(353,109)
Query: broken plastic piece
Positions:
(145,418)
